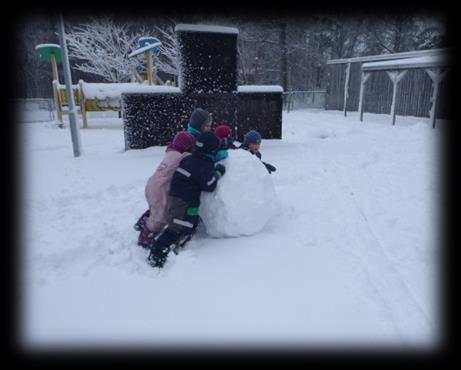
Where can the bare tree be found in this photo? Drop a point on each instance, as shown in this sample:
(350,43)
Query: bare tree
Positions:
(103,47)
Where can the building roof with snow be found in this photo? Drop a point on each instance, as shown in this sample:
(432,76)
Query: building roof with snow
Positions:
(205,28)
(427,61)
(259,88)
(115,90)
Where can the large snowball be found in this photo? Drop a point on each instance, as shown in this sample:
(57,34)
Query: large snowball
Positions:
(244,199)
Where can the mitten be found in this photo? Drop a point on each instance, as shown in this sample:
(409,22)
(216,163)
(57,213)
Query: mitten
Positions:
(220,169)
(269,167)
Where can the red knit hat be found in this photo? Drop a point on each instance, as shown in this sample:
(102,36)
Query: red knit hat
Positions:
(182,142)
(223,131)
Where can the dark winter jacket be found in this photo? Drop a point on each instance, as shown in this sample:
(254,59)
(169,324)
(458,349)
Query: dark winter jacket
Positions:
(268,166)
(195,173)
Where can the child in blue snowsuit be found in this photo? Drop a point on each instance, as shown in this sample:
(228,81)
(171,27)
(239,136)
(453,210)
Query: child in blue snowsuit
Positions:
(200,121)
(195,173)
(252,143)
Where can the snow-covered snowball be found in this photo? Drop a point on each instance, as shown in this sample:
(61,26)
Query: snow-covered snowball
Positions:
(244,199)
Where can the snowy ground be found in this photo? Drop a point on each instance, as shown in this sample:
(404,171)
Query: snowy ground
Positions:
(350,260)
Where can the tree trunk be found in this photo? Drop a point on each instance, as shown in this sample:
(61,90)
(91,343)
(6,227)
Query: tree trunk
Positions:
(284,58)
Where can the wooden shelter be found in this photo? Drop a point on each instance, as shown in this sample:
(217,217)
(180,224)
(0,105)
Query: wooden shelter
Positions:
(415,87)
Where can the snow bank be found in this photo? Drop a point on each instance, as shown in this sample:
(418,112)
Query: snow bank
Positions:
(244,200)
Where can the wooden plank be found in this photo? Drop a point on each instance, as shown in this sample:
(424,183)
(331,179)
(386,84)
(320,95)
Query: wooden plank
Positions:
(395,77)
(346,88)
(148,55)
(409,63)
(54,67)
(436,76)
(363,80)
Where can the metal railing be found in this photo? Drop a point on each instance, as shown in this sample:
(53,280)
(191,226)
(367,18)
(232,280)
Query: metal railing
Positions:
(34,110)
(304,99)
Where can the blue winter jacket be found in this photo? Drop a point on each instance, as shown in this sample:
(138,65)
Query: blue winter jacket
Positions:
(195,173)
(221,153)
(193,131)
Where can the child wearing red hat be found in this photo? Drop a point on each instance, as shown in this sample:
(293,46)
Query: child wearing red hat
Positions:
(223,132)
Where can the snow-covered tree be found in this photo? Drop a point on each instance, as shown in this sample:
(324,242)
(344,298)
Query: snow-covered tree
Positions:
(168,58)
(102,47)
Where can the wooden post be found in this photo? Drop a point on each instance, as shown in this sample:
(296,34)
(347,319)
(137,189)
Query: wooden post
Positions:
(54,67)
(57,100)
(346,87)
(82,104)
(395,77)
(363,80)
(148,55)
(436,76)
(55,75)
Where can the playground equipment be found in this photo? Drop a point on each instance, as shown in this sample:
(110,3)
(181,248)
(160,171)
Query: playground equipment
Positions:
(51,53)
(148,46)
(98,97)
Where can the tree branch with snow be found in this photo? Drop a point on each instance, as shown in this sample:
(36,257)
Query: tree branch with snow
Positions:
(103,46)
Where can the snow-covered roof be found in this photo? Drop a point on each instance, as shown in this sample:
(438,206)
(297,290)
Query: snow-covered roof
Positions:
(428,61)
(39,46)
(146,38)
(259,88)
(144,48)
(205,28)
(113,90)
(402,55)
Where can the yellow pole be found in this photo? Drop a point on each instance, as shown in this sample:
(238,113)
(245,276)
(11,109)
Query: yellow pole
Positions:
(54,67)
(148,54)
(54,72)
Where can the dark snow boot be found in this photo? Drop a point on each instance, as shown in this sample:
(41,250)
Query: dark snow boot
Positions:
(183,239)
(161,247)
(146,238)
(181,243)
(157,258)
(140,224)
